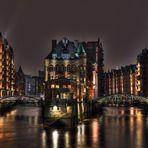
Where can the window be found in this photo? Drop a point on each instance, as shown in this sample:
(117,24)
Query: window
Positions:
(52,86)
(60,68)
(73,68)
(64,86)
(54,56)
(69,86)
(65,56)
(50,68)
(69,68)
(57,86)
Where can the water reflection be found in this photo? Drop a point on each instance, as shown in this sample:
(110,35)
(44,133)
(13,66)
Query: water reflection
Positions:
(127,126)
(95,133)
(117,127)
(55,137)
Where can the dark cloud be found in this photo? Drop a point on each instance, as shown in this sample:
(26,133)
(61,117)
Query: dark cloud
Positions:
(30,25)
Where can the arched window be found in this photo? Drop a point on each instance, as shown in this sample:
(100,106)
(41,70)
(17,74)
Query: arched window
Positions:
(62,68)
(59,68)
(50,68)
(81,69)
(73,68)
(69,68)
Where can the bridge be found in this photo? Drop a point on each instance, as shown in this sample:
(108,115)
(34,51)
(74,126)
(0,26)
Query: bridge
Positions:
(23,99)
(123,100)
(7,103)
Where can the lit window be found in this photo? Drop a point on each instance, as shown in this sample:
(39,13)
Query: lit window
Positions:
(69,86)
(57,86)
(64,96)
(52,86)
(57,96)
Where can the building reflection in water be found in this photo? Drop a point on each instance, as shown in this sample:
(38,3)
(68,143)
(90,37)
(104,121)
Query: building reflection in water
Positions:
(95,133)
(67,139)
(44,139)
(80,135)
(125,126)
(117,127)
(4,123)
(55,136)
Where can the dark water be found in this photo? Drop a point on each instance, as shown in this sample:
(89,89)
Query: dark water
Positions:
(116,128)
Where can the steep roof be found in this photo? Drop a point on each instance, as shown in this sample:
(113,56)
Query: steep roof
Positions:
(66,49)
(20,70)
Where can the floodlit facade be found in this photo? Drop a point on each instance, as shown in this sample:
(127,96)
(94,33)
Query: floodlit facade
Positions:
(121,81)
(6,68)
(65,71)
(74,70)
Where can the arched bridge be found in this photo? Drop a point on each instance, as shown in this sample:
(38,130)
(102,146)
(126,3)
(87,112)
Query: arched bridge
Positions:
(21,99)
(123,100)
(7,103)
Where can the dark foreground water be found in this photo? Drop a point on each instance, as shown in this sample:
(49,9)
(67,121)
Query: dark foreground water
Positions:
(116,128)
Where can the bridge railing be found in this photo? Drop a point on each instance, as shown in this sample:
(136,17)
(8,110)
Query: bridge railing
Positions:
(122,98)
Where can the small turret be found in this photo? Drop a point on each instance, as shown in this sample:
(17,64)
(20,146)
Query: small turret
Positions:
(81,51)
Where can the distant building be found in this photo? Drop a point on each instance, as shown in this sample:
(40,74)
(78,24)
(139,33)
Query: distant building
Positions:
(142,73)
(35,84)
(65,71)
(19,82)
(41,85)
(121,81)
(6,68)
(27,84)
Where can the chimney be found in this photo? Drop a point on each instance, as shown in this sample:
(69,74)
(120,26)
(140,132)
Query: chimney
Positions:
(54,43)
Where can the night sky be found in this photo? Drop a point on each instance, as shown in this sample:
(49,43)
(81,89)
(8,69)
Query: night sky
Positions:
(30,25)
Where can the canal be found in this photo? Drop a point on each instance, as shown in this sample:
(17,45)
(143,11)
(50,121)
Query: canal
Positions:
(114,128)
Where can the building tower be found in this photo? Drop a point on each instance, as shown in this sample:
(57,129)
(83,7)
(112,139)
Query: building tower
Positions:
(100,68)
(95,73)
(142,73)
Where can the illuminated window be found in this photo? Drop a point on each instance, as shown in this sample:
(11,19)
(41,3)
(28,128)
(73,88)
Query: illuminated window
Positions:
(57,86)
(57,96)
(52,86)
(138,69)
(64,96)
(69,86)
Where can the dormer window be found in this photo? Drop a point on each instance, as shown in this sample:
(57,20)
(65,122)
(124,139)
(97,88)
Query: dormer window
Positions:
(65,56)
(54,56)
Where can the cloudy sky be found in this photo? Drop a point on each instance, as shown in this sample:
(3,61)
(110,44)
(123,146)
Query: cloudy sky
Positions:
(30,25)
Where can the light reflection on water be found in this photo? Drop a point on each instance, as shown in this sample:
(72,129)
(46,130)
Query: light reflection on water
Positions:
(116,127)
